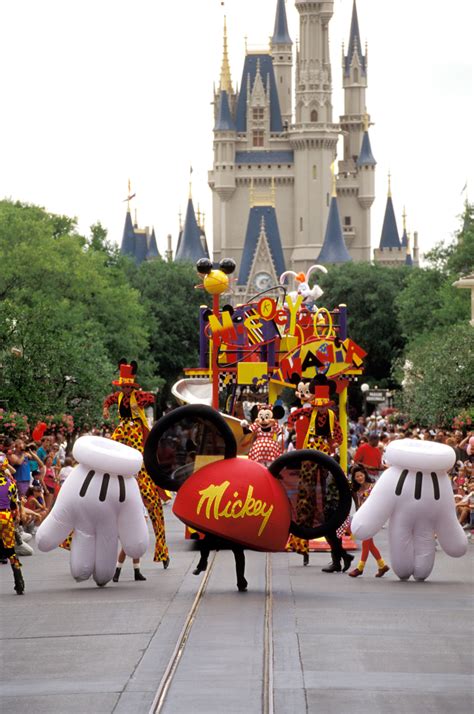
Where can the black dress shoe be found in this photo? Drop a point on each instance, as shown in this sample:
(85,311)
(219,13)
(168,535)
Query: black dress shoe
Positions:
(305,558)
(117,575)
(332,568)
(166,563)
(138,575)
(347,558)
(200,568)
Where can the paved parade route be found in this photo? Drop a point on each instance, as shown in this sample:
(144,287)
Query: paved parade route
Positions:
(298,641)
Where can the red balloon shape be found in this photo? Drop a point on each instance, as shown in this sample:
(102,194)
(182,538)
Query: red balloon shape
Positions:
(237,499)
(39,430)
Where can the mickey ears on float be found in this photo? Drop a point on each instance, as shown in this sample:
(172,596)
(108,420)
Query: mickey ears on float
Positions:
(204,266)
(310,459)
(227,265)
(177,441)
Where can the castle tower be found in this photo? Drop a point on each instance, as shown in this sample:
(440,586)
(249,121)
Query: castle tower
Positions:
(282,55)
(356,177)
(190,247)
(314,136)
(334,248)
(390,251)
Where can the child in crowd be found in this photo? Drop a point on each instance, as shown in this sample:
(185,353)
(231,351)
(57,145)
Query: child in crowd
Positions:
(362,484)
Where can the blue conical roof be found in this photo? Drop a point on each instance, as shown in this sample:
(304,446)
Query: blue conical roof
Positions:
(224,121)
(366,158)
(389,237)
(404,238)
(141,246)
(190,246)
(334,248)
(354,44)
(152,251)
(281,36)
(252,235)
(409,260)
(127,246)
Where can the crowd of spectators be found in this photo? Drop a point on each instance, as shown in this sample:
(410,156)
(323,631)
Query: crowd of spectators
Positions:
(39,469)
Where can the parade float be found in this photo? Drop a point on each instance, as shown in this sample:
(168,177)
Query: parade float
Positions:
(250,353)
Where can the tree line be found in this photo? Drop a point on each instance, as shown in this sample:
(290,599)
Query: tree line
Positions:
(71,306)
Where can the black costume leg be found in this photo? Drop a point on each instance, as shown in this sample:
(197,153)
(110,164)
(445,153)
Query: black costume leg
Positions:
(239,556)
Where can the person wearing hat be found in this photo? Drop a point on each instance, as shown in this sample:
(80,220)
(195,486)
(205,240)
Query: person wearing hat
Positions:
(323,434)
(133,430)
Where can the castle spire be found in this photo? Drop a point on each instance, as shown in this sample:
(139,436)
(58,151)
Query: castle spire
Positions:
(334,247)
(281,36)
(189,244)
(225,81)
(389,237)
(355,46)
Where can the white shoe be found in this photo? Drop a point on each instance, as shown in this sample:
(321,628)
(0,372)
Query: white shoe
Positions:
(24,549)
(25,536)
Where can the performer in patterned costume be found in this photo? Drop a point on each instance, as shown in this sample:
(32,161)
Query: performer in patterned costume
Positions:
(133,430)
(316,429)
(9,505)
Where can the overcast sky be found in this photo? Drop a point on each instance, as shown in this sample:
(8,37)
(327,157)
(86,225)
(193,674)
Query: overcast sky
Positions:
(99,91)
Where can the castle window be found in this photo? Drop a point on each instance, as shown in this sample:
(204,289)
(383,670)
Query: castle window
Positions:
(257,137)
(315,171)
(347,221)
(314,115)
(356,74)
(301,223)
(258,113)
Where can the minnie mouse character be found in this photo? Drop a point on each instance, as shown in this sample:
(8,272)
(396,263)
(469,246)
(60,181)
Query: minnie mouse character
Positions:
(267,445)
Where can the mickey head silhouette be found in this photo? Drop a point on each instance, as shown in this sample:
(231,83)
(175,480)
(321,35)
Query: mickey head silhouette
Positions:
(192,451)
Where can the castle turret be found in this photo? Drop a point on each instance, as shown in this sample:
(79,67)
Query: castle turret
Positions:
(190,247)
(281,51)
(356,171)
(390,251)
(314,136)
(334,248)
(222,177)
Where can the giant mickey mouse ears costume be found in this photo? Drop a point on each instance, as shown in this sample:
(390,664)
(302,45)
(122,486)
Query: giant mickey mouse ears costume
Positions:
(239,500)
(192,451)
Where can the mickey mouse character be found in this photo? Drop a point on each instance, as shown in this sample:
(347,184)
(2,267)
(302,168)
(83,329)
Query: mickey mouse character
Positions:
(267,445)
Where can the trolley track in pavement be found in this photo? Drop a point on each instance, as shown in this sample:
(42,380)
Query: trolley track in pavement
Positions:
(162,692)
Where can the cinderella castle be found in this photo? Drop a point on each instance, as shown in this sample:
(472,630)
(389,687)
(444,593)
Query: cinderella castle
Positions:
(280,200)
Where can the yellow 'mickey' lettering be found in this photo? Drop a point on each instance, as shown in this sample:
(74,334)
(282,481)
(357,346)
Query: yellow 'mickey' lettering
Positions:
(211,499)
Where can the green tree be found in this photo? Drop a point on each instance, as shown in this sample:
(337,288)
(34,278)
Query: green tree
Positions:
(40,262)
(370,293)
(171,304)
(429,300)
(67,309)
(437,374)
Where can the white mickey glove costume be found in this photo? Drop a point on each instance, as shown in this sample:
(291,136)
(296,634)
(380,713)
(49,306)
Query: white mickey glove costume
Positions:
(100,501)
(416,494)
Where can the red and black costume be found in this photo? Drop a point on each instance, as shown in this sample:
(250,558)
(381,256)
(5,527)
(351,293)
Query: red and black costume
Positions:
(133,430)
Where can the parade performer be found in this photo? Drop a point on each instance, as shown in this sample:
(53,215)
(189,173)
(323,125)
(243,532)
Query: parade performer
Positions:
(324,434)
(416,496)
(267,445)
(362,485)
(133,430)
(9,506)
(99,505)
